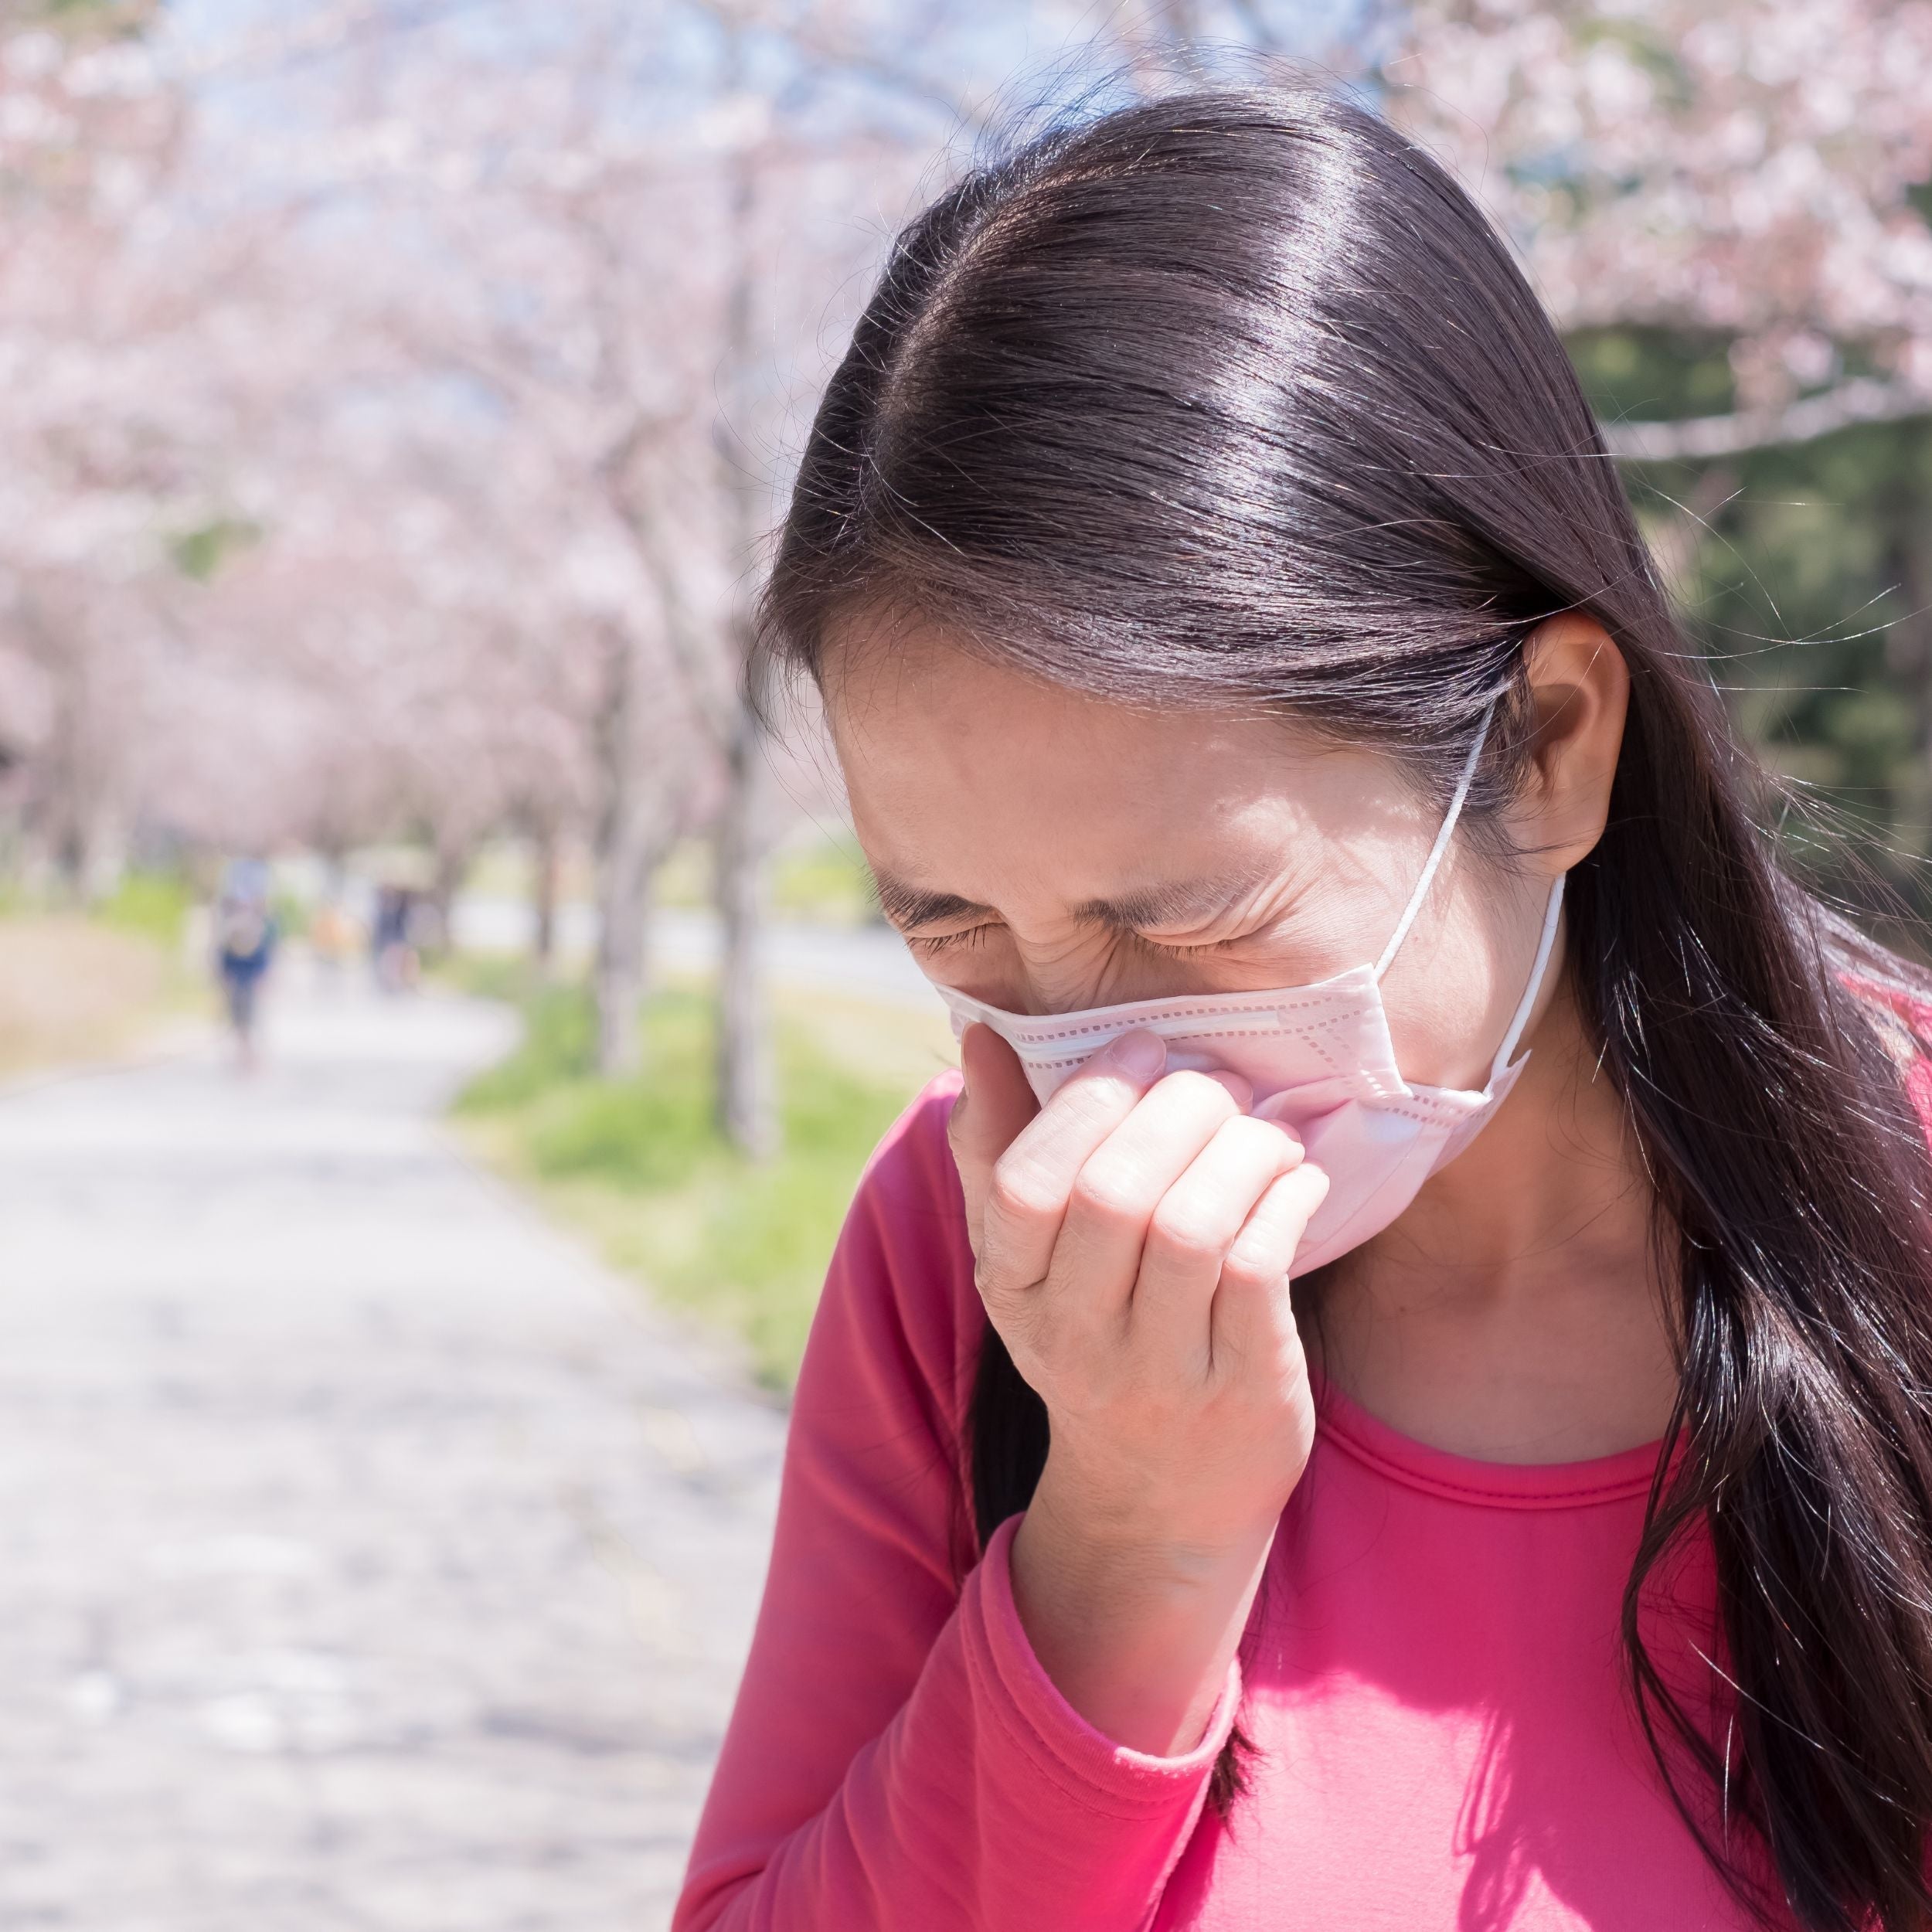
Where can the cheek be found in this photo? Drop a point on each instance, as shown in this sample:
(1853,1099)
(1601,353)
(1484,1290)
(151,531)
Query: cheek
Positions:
(1438,1034)
(1443,1006)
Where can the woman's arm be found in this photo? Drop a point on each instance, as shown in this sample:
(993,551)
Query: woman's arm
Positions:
(898,1757)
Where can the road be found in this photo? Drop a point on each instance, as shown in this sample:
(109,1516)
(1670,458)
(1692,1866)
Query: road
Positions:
(374,1561)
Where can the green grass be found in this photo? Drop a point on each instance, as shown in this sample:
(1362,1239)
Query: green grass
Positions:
(155,905)
(828,881)
(505,976)
(639,1166)
(823,879)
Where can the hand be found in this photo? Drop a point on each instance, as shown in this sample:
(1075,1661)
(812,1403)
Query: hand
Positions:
(1133,1241)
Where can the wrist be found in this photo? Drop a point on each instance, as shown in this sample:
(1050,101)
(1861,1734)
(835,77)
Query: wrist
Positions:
(1136,1633)
(1102,1528)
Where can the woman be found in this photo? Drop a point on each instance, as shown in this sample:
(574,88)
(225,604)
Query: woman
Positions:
(246,935)
(1396,1392)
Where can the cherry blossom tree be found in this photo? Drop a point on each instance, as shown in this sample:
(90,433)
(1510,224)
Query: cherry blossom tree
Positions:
(1756,170)
(633,293)
(398,394)
(88,294)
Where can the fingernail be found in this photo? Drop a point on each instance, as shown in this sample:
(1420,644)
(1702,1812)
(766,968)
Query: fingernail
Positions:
(1141,1055)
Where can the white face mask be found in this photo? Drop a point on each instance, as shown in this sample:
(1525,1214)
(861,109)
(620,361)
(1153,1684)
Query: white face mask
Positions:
(1319,1058)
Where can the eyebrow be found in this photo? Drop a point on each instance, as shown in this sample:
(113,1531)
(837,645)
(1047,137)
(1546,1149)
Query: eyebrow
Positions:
(1172,902)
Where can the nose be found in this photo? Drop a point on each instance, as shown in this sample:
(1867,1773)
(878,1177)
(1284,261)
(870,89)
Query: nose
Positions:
(1086,984)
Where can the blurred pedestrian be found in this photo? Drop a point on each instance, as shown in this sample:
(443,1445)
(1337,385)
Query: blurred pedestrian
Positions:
(245,933)
(392,942)
(331,938)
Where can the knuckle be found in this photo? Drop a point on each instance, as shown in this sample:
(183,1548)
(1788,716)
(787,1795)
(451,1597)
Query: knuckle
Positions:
(1185,1229)
(990,1281)
(1092,1099)
(1252,1264)
(1019,1191)
(1107,1193)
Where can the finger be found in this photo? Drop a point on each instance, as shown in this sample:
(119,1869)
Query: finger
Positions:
(1240,1088)
(1026,1197)
(1251,1316)
(994,1105)
(1195,1228)
(1115,1197)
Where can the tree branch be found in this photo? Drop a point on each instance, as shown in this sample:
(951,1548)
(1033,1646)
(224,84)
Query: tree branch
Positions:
(1697,438)
(808,38)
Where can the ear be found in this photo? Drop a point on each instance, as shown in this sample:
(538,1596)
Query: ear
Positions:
(1580,687)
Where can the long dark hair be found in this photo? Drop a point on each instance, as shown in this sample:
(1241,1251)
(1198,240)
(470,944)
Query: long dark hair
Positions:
(1237,398)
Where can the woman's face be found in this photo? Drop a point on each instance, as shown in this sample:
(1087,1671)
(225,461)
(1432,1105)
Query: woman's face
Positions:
(1045,851)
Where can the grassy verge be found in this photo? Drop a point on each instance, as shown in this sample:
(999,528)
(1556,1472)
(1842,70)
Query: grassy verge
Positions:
(822,878)
(75,987)
(638,1167)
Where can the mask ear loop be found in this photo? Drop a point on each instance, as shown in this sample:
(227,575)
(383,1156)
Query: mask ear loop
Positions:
(1438,848)
(1522,1018)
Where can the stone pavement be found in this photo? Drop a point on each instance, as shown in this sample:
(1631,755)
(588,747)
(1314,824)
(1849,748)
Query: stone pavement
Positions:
(369,1558)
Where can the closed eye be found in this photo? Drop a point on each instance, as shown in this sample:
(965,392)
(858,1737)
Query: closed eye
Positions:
(970,936)
(930,943)
(1171,949)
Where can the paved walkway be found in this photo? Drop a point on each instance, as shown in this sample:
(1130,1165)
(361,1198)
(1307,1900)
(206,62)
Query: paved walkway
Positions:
(369,1557)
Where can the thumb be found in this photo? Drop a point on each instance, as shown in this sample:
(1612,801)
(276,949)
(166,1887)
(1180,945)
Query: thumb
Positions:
(987,1117)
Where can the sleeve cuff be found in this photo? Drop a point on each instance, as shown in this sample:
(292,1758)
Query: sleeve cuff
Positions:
(1061,1743)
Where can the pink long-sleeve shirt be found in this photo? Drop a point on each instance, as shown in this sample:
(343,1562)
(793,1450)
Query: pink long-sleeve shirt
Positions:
(1430,1673)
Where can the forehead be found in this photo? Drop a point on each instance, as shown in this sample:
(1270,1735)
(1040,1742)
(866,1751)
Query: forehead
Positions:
(955,764)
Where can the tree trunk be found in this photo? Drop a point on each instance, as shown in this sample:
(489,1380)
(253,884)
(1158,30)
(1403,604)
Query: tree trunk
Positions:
(634,832)
(452,864)
(546,864)
(101,860)
(622,946)
(87,828)
(747,1115)
(746,1110)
